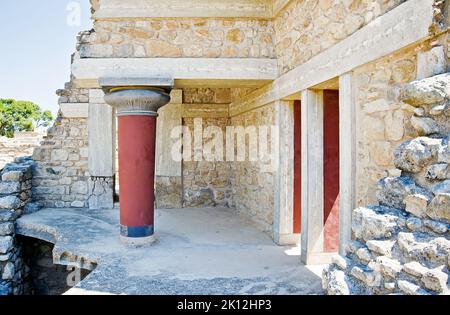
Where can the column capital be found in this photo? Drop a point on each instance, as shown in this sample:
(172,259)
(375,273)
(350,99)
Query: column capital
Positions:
(136,96)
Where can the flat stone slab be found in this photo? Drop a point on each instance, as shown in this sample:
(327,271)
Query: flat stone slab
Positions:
(198,251)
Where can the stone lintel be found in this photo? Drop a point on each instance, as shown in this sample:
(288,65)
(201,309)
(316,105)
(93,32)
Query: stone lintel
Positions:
(239,72)
(145,9)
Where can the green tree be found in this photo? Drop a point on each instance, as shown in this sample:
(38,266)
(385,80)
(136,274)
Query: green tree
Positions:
(21,116)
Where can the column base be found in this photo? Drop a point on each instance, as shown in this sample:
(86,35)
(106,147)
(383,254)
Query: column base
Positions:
(137,241)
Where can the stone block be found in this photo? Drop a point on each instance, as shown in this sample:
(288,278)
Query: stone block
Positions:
(6,228)
(410,288)
(415,269)
(424,125)
(369,278)
(437,227)
(7,216)
(341,262)
(12,176)
(413,155)
(381,247)
(435,280)
(417,204)
(392,192)
(372,223)
(364,255)
(9,202)
(428,91)
(414,224)
(389,267)
(440,171)
(8,188)
(439,208)
(6,243)
(431,62)
(8,271)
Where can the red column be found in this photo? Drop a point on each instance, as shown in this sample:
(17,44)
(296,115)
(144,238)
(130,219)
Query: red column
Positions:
(137,141)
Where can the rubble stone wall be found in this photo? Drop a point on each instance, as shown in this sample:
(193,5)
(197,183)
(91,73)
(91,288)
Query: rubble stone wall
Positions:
(61,175)
(209,38)
(15,199)
(402,245)
(381,115)
(305,28)
(253,185)
(22,144)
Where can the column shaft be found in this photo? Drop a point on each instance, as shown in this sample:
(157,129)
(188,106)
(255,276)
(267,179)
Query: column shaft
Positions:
(137,136)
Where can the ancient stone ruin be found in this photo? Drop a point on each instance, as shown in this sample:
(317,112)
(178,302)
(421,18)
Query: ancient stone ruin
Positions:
(279,133)
(402,245)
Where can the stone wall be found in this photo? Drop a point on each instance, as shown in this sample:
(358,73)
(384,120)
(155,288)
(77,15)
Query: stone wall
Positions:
(382,117)
(209,38)
(402,246)
(15,195)
(207,183)
(22,144)
(305,28)
(254,187)
(61,175)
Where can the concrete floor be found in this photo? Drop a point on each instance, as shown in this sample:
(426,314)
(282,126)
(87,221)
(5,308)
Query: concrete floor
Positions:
(198,251)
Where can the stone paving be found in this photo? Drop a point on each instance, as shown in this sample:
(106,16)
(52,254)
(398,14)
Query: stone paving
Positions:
(198,251)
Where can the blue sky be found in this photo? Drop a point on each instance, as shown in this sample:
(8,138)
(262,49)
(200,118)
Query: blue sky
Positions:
(36,44)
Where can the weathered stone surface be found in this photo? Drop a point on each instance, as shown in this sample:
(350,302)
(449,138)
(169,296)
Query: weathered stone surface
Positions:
(435,280)
(414,155)
(420,247)
(435,226)
(12,176)
(424,126)
(32,207)
(9,202)
(439,208)
(334,282)
(341,262)
(431,63)
(428,91)
(6,242)
(7,188)
(364,255)
(439,109)
(392,191)
(417,204)
(369,223)
(414,224)
(440,171)
(442,188)
(7,216)
(410,288)
(353,246)
(389,267)
(6,228)
(381,247)
(369,278)
(8,271)
(415,269)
